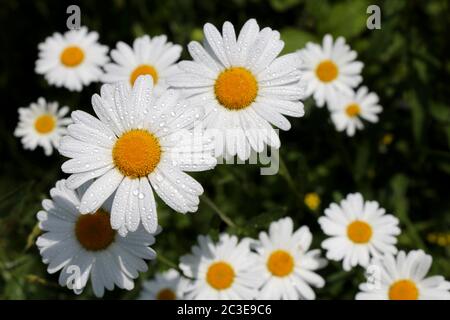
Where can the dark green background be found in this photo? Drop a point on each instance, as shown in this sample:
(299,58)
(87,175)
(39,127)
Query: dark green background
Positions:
(406,63)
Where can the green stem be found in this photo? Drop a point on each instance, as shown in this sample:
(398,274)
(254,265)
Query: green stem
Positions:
(219,212)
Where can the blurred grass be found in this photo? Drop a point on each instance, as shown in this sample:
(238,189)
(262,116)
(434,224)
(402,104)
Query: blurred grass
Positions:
(406,63)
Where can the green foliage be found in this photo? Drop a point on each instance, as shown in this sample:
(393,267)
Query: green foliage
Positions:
(406,63)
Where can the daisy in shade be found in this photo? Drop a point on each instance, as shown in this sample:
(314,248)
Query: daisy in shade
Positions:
(358,230)
(227,270)
(42,124)
(243,87)
(137,145)
(348,111)
(329,69)
(289,266)
(403,277)
(85,246)
(72,60)
(165,286)
(148,56)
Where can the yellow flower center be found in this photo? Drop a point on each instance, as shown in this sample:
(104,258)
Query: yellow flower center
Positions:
(403,290)
(352,110)
(72,56)
(45,124)
(137,153)
(359,231)
(144,69)
(166,294)
(94,231)
(327,71)
(236,88)
(220,275)
(280,263)
(312,200)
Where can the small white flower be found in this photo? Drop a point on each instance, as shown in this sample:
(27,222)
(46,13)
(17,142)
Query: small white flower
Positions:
(84,246)
(148,56)
(42,124)
(227,270)
(347,111)
(289,266)
(403,277)
(169,285)
(137,145)
(243,87)
(72,60)
(329,69)
(358,230)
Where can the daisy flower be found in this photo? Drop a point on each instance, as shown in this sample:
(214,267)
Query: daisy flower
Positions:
(347,111)
(289,267)
(358,230)
(72,60)
(136,145)
(403,277)
(165,286)
(329,69)
(42,124)
(243,86)
(84,246)
(148,56)
(227,270)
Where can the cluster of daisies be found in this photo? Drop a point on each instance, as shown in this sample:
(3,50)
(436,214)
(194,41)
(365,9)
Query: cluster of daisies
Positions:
(280,264)
(155,119)
(332,74)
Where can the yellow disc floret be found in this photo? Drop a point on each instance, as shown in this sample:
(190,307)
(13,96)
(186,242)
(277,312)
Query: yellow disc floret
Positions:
(45,124)
(220,275)
(94,232)
(359,232)
(72,56)
(353,110)
(236,88)
(403,290)
(144,69)
(137,153)
(327,71)
(280,263)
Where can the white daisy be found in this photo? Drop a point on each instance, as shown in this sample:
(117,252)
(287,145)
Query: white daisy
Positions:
(137,146)
(72,60)
(148,56)
(347,111)
(403,278)
(165,286)
(84,246)
(358,230)
(243,86)
(42,124)
(288,265)
(329,69)
(227,270)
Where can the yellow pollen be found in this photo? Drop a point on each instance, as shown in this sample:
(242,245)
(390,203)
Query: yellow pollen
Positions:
(312,200)
(220,275)
(166,294)
(137,153)
(144,69)
(353,110)
(236,88)
(72,56)
(45,124)
(93,231)
(403,290)
(280,263)
(359,232)
(327,71)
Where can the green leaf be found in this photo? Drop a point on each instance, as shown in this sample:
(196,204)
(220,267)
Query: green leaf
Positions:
(295,39)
